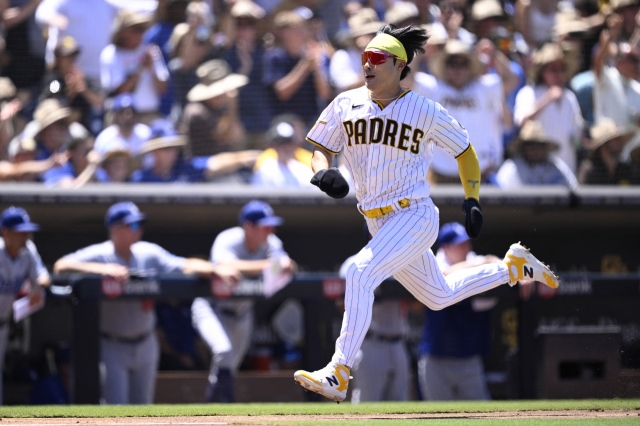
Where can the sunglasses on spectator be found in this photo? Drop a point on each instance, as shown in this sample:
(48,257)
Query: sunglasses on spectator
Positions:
(458,63)
(138,28)
(375,58)
(246,23)
(555,69)
(135,226)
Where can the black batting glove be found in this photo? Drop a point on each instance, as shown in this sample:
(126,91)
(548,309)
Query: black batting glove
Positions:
(472,217)
(331,182)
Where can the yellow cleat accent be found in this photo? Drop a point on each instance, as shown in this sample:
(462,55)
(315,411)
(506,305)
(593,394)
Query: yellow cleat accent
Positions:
(523,265)
(331,382)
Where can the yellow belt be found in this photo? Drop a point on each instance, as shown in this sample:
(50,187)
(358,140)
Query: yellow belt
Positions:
(381,211)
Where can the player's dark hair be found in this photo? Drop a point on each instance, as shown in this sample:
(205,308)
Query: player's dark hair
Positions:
(412,38)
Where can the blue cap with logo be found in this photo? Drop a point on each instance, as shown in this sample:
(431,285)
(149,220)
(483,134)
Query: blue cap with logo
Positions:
(452,233)
(259,213)
(122,101)
(17,219)
(124,213)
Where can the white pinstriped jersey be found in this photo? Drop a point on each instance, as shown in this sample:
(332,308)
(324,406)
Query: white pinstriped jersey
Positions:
(387,151)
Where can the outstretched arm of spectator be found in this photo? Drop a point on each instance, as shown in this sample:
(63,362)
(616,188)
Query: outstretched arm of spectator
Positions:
(523,8)
(553,93)
(288,85)
(229,162)
(15,15)
(9,171)
(606,43)
(320,77)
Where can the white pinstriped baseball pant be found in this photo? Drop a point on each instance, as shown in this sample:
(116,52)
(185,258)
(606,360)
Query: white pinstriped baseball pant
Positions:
(401,247)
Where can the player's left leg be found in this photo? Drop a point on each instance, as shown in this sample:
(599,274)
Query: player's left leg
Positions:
(143,373)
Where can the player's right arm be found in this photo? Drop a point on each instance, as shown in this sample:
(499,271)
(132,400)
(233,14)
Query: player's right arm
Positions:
(322,159)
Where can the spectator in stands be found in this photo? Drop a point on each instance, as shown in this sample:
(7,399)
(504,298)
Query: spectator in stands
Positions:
(116,163)
(83,161)
(285,170)
(67,83)
(227,325)
(169,14)
(170,165)
(21,165)
(210,120)
(10,106)
(531,162)
(23,43)
(127,65)
(616,93)
(87,21)
(476,100)
(603,167)
(128,345)
(345,67)
(455,339)
(246,57)
(125,128)
(296,71)
(451,18)
(53,128)
(486,17)
(534,19)
(402,13)
(549,102)
(429,11)
(628,11)
(192,43)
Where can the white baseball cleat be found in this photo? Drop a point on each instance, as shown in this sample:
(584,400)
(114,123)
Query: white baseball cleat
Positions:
(523,265)
(331,382)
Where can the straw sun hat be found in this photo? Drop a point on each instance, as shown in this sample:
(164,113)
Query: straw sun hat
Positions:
(552,52)
(455,48)
(216,79)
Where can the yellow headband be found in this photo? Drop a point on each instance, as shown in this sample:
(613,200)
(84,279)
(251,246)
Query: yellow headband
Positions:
(389,44)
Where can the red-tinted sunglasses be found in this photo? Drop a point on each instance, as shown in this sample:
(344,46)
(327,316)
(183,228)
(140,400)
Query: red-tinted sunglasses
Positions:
(376,58)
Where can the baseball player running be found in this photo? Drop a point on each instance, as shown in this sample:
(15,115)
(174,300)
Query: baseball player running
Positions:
(19,261)
(128,345)
(387,135)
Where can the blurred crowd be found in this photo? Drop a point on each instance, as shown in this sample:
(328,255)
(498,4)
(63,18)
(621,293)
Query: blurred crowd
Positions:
(225,90)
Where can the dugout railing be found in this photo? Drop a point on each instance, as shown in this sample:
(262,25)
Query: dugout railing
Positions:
(578,341)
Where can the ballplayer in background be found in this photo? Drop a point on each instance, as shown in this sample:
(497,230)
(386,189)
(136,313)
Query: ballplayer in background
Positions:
(129,352)
(19,261)
(388,134)
(227,325)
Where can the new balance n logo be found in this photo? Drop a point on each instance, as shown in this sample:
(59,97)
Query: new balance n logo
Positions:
(528,271)
(333,381)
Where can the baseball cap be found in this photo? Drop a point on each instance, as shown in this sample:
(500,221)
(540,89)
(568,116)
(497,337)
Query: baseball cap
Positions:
(452,233)
(281,132)
(124,212)
(122,101)
(17,219)
(259,213)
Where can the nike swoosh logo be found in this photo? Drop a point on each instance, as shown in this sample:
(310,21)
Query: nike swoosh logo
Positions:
(356,106)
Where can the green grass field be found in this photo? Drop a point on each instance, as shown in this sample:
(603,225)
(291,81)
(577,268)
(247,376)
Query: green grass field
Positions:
(287,410)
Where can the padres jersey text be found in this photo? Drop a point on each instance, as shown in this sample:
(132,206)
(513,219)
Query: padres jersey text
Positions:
(387,151)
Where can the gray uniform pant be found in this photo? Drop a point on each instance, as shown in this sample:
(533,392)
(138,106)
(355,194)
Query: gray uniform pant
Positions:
(452,379)
(4,338)
(128,370)
(381,372)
